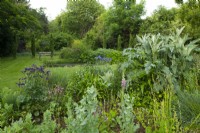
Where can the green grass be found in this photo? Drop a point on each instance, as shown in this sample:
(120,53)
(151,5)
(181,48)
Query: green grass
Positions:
(10,69)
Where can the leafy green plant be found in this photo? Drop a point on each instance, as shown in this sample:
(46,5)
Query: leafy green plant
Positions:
(56,40)
(28,126)
(76,52)
(10,96)
(7,114)
(85,119)
(115,56)
(157,61)
(102,77)
(126,117)
(162,117)
(90,75)
(35,83)
(107,120)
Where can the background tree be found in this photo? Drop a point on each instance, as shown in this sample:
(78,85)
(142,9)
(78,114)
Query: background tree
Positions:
(80,16)
(119,42)
(16,20)
(189,15)
(97,37)
(131,41)
(123,18)
(161,21)
(33,45)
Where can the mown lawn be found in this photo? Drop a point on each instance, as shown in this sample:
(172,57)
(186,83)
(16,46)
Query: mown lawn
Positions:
(10,69)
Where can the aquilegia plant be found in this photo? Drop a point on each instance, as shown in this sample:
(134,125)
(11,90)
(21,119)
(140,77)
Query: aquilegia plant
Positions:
(35,83)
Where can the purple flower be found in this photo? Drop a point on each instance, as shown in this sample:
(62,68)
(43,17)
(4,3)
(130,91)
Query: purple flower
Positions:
(123,83)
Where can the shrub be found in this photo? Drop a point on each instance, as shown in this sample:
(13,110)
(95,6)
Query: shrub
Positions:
(43,44)
(101,77)
(56,40)
(157,61)
(74,53)
(114,55)
(61,40)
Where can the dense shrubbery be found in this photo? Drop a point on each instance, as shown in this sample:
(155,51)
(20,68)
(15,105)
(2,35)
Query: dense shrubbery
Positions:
(58,40)
(74,52)
(156,81)
(158,61)
(80,53)
(102,78)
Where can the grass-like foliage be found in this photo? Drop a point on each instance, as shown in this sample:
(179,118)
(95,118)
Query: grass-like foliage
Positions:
(188,108)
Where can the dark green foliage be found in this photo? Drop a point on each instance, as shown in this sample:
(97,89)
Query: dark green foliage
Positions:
(161,21)
(61,40)
(190,17)
(54,41)
(15,46)
(51,45)
(76,52)
(104,43)
(119,42)
(80,16)
(33,46)
(131,41)
(123,18)
(16,18)
(179,1)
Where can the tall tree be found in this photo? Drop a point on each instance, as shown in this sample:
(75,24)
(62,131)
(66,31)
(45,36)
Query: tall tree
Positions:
(81,16)
(189,15)
(16,20)
(161,21)
(124,18)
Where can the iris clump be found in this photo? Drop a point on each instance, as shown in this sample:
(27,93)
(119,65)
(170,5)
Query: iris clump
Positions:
(103,59)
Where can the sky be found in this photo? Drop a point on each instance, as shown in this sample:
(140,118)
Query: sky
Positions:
(55,7)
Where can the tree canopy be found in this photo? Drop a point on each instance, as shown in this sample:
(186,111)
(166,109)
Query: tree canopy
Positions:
(16,18)
(89,21)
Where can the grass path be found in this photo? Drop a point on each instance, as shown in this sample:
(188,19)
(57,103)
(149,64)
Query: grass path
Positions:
(10,69)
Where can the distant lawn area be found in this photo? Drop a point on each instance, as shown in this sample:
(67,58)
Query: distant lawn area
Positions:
(10,69)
